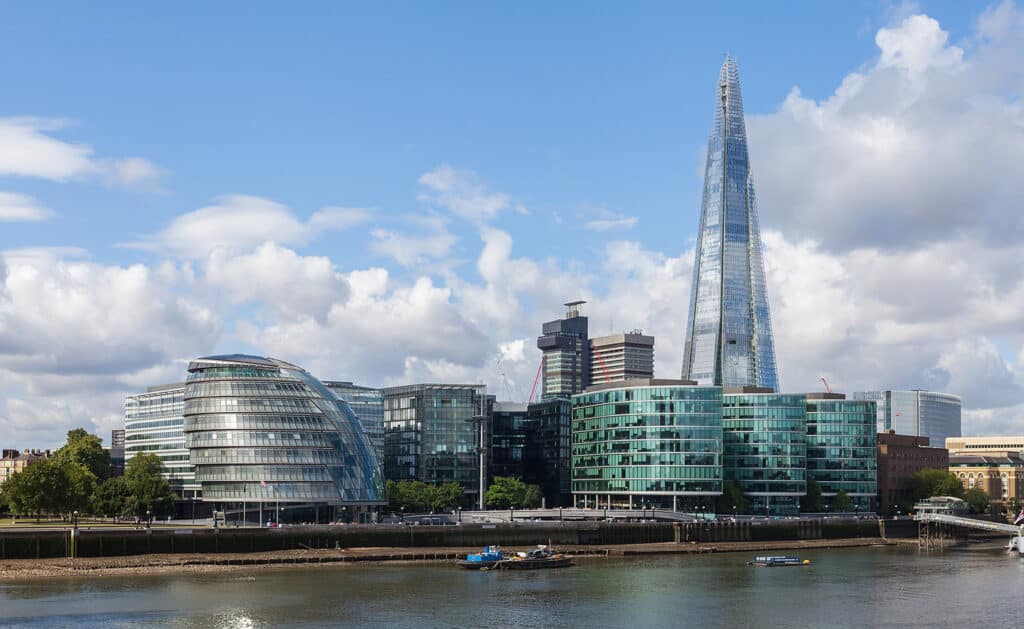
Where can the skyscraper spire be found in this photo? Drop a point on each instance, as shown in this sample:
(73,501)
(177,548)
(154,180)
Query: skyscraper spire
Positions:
(729,334)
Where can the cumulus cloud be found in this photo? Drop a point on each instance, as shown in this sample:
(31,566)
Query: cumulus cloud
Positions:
(20,207)
(241,222)
(462,193)
(28,149)
(279,279)
(925,142)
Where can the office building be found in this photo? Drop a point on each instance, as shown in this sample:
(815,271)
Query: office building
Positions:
(993,446)
(436,433)
(116,451)
(899,457)
(154,423)
(549,450)
(919,413)
(841,448)
(565,369)
(368,405)
(263,431)
(619,357)
(765,448)
(647,442)
(1000,476)
(729,335)
(509,441)
(13,461)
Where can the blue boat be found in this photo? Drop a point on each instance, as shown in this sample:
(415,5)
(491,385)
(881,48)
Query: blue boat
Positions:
(485,560)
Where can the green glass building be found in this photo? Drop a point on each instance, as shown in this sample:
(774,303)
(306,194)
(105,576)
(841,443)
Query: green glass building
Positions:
(765,448)
(841,448)
(647,442)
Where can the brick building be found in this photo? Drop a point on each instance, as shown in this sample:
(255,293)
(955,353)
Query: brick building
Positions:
(899,456)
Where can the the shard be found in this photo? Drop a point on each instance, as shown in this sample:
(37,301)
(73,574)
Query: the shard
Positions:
(729,335)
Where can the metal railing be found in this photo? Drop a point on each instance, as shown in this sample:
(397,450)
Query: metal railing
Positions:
(983,525)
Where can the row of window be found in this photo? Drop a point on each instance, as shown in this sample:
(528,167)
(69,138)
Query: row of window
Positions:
(677,472)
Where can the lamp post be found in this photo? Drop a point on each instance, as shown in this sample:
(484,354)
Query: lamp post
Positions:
(403,514)
(511,513)
(460,515)
(149,518)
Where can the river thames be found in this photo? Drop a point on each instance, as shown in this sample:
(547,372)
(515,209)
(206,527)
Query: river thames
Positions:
(886,586)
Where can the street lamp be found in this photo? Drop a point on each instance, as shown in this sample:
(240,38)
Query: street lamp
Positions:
(403,514)
(511,513)
(149,519)
(74,519)
(460,515)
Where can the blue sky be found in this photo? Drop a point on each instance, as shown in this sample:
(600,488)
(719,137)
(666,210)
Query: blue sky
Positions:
(468,147)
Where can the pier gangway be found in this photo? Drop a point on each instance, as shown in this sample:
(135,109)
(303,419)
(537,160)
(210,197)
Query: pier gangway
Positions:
(971,523)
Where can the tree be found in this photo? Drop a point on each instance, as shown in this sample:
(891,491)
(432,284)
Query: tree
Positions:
(842,502)
(811,501)
(444,497)
(85,449)
(534,497)
(50,486)
(147,488)
(112,498)
(977,500)
(506,492)
(935,482)
(732,499)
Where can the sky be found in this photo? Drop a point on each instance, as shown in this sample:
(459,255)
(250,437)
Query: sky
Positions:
(403,192)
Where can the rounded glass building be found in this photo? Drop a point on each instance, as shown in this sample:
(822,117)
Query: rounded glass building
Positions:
(646,442)
(260,430)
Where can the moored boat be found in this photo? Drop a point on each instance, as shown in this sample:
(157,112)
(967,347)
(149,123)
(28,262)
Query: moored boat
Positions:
(539,558)
(772,561)
(485,560)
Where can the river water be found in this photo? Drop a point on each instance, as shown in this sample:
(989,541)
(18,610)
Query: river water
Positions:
(977,586)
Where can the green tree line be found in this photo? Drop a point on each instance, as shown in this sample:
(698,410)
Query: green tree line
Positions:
(77,478)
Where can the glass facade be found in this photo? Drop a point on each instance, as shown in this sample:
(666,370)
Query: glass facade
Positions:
(841,448)
(431,433)
(729,337)
(154,423)
(260,429)
(549,450)
(368,405)
(510,434)
(765,439)
(659,445)
(917,413)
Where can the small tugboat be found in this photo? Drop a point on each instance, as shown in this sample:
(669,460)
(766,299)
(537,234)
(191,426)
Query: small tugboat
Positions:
(486,560)
(776,561)
(537,559)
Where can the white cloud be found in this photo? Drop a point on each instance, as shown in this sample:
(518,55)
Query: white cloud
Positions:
(923,144)
(279,279)
(433,242)
(611,222)
(462,193)
(27,149)
(20,207)
(241,222)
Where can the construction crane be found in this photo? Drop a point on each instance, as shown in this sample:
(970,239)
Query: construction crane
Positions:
(825,382)
(604,367)
(504,380)
(536,379)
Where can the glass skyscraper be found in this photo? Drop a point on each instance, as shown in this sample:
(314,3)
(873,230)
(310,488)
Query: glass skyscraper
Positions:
(729,335)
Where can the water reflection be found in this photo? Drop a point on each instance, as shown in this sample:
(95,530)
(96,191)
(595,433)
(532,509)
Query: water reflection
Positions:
(853,587)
